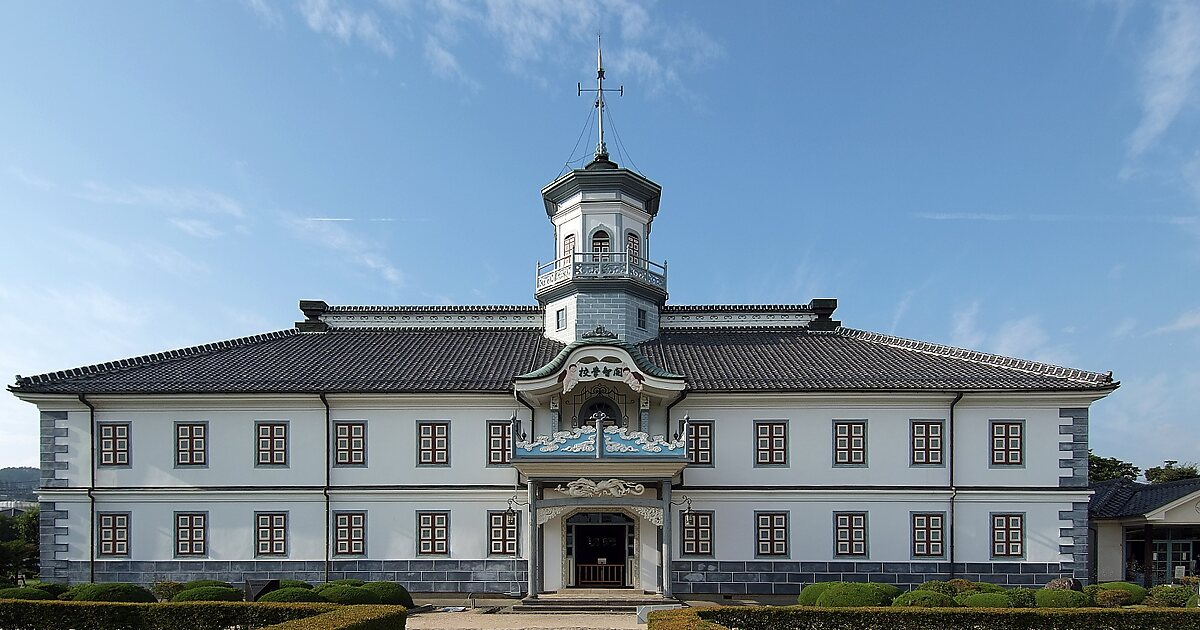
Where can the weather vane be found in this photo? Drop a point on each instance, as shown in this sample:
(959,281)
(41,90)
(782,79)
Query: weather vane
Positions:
(601,149)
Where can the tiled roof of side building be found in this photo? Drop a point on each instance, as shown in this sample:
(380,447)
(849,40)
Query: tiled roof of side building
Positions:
(1119,498)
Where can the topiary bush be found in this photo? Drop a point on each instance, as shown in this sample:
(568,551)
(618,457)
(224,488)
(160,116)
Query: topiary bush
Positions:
(938,586)
(961,586)
(988,587)
(1022,597)
(199,583)
(809,594)
(293,594)
(924,599)
(1193,601)
(340,594)
(111,592)
(984,600)
(1053,598)
(164,590)
(1112,598)
(857,594)
(24,592)
(1169,596)
(50,587)
(294,584)
(1136,592)
(349,582)
(208,594)
(390,593)
(1090,591)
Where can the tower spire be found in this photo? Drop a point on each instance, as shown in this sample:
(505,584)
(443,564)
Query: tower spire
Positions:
(601,148)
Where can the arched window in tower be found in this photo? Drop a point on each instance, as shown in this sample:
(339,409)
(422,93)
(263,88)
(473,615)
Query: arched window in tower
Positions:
(602,406)
(601,245)
(568,250)
(633,247)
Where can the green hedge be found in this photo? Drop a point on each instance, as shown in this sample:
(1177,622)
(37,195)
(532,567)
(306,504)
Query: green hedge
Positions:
(209,594)
(351,618)
(1056,598)
(811,593)
(60,615)
(110,592)
(50,587)
(924,599)
(294,584)
(1137,593)
(903,618)
(390,593)
(1169,595)
(292,594)
(851,594)
(984,600)
(187,586)
(24,593)
(349,595)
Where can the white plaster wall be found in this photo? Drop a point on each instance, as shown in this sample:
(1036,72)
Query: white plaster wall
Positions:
(1042,539)
(567,334)
(552,574)
(1110,552)
(973,443)
(1186,512)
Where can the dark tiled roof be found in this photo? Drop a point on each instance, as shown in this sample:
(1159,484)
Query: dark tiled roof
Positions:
(1118,498)
(477,359)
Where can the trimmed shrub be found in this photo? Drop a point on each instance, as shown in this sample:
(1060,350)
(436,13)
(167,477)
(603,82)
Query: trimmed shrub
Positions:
(1169,596)
(111,592)
(50,587)
(1090,591)
(988,587)
(339,594)
(809,594)
(292,594)
(294,584)
(1112,598)
(24,592)
(345,583)
(984,600)
(857,594)
(924,599)
(1193,601)
(350,618)
(938,586)
(166,589)
(961,586)
(1138,593)
(1022,597)
(903,618)
(208,594)
(1054,598)
(187,586)
(390,593)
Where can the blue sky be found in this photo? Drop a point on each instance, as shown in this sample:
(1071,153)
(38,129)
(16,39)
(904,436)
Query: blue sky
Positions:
(1021,178)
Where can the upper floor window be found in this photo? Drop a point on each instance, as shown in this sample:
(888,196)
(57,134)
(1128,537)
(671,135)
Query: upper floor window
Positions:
(699,442)
(433,533)
(350,533)
(191,533)
(350,446)
(433,443)
(113,534)
(633,246)
(1008,442)
(503,533)
(499,443)
(770,445)
(927,535)
(271,533)
(641,319)
(850,533)
(568,248)
(772,533)
(191,443)
(1008,535)
(850,443)
(272,443)
(601,244)
(560,319)
(926,442)
(114,443)
(697,533)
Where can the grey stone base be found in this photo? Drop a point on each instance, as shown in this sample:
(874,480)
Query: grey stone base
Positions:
(787,578)
(418,576)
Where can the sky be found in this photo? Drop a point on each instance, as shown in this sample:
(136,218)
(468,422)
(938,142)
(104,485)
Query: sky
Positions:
(1020,178)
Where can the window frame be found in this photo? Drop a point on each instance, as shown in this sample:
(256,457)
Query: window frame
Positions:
(560,319)
(191,450)
(643,317)
(349,450)
(690,438)
(698,529)
(928,529)
(771,449)
(114,450)
(568,246)
(271,539)
(433,463)
(432,538)
(287,444)
(849,449)
(512,534)
(1007,449)
(912,443)
(866,534)
(116,531)
(1007,529)
(506,437)
(787,533)
(191,539)
(349,529)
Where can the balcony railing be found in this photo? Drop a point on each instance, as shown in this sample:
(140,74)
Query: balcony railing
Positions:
(591,265)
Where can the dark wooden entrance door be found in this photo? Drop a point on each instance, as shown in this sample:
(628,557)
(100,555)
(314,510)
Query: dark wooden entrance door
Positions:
(600,555)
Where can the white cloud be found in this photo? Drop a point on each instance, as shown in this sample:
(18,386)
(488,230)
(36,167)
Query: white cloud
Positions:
(1124,327)
(1168,72)
(195,227)
(965,332)
(345,23)
(1022,338)
(167,198)
(31,180)
(444,64)
(333,236)
(1185,322)
(265,11)
(902,309)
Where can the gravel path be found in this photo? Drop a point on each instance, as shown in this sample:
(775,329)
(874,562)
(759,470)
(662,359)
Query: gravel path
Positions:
(469,620)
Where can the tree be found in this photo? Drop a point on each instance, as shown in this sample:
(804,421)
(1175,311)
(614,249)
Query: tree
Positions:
(1105,468)
(1172,470)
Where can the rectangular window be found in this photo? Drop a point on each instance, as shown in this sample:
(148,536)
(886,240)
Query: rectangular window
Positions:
(191,444)
(350,446)
(560,319)
(113,534)
(771,444)
(433,533)
(850,443)
(350,533)
(697,533)
(272,443)
(641,319)
(433,443)
(927,535)
(499,443)
(926,442)
(1008,441)
(850,534)
(569,245)
(271,533)
(1008,535)
(114,443)
(191,533)
(503,533)
(699,442)
(772,533)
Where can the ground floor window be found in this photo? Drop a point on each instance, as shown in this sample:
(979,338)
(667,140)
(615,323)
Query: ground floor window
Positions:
(350,533)
(503,533)
(433,533)
(697,529)
(113,534)
(772,533)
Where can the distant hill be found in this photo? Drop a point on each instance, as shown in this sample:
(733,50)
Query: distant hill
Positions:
(18,484)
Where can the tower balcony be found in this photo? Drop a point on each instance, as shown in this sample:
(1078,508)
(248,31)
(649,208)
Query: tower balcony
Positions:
(601,266)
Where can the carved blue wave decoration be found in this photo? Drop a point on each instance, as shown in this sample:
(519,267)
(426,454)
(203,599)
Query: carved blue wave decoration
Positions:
(618,442)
